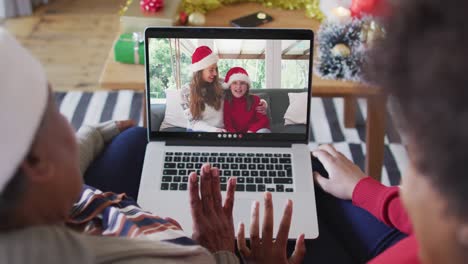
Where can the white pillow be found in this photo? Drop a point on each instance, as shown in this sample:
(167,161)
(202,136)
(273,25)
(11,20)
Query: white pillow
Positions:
(297,109)
(174,116)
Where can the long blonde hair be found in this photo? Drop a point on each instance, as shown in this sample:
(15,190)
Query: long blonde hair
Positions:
(202,93)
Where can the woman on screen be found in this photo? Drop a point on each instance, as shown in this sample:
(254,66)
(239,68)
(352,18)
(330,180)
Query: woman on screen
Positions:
(202,98)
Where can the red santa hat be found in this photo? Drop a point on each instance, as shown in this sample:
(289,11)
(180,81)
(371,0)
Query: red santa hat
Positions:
(23,100)
(202,58)
(236,74)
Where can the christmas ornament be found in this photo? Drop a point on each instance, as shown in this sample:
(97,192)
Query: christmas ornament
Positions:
(196,19)
(151,6)
(183,18)
(341,50)
(361,8)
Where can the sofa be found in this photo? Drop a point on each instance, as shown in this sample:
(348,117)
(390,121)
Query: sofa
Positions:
(278,103)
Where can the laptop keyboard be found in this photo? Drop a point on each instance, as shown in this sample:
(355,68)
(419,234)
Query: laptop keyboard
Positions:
(255,172)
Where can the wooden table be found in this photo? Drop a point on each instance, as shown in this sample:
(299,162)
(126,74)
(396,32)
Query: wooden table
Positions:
(118,76)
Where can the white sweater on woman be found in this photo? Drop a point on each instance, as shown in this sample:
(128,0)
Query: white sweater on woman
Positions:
(211,119)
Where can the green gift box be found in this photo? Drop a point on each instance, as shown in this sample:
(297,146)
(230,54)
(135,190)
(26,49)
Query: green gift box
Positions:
(130,48)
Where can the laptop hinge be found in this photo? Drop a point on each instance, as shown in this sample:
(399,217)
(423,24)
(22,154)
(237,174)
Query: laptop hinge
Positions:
(271,144)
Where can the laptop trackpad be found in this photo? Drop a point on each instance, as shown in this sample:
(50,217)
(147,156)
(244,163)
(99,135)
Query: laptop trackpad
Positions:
(243,212)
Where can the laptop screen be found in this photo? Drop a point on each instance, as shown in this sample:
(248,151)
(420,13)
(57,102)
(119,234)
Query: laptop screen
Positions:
(228,84)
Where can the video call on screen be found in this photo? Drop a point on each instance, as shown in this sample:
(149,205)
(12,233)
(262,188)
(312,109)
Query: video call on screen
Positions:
(228,85)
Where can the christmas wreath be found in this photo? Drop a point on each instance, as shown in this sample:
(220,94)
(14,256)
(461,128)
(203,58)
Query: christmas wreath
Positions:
(340,50)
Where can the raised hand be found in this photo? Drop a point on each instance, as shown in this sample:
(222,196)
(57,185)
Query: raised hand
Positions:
(213,226)
(266,249)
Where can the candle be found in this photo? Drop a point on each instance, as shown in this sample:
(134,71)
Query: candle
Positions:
(340,15)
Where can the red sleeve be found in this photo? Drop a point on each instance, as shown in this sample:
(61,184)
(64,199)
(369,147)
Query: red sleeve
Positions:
(383,202)
(403,252)
(261,120)
(227,113)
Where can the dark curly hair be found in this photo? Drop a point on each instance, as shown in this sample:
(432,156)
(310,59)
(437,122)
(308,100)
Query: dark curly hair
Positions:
(422,64)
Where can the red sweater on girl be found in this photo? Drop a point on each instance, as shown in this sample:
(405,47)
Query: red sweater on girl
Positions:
(385,204)
(238,119)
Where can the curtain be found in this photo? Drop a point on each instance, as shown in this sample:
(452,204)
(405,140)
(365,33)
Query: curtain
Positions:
(14,8)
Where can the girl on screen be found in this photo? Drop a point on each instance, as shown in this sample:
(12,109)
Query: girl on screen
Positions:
(239,105)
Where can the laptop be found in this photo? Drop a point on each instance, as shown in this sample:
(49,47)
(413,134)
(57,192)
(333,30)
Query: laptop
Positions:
(279,65)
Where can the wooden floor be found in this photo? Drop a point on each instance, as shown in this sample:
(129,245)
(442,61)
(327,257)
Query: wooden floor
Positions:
(72,38)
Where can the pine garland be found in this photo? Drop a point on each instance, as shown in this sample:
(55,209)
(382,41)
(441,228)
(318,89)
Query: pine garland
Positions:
(202,6)
(310,6)
(331,66)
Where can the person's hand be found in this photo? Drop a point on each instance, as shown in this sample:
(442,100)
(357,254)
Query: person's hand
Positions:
(343,174)
(123,125)
(262,107)
(266,249)
(213,226)
(173,221)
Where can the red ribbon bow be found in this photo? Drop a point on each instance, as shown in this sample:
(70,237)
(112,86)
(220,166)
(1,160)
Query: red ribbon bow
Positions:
(151,5)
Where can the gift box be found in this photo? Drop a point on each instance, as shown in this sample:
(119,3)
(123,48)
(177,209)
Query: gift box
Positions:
(133,19)
(130,48)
